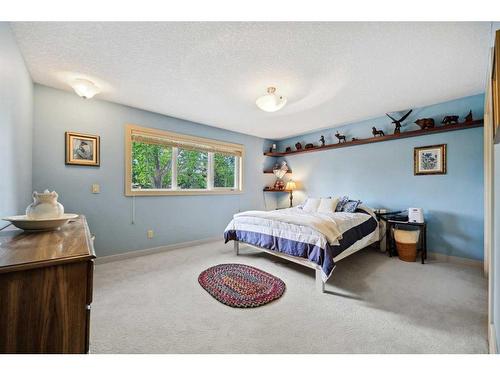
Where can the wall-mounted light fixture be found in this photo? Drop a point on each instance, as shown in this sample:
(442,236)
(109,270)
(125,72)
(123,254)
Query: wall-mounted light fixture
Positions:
(85,88)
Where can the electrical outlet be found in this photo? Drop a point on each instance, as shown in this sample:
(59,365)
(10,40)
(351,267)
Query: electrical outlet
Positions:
(96,188)
(151,234)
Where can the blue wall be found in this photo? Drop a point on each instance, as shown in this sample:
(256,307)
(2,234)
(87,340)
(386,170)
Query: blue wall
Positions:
(381,175)
(16,124)
(174,219)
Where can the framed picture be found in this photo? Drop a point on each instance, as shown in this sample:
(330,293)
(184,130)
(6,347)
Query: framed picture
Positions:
(429,160)
(83,149)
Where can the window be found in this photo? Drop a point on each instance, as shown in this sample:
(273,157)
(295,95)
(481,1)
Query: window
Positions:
(165,163)
(224,170)
(151,166)
(192,169)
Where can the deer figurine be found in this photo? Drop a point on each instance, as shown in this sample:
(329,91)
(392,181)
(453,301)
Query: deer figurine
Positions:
(340,137)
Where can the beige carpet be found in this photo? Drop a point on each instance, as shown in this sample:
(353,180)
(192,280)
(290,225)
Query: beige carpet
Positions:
(374,304)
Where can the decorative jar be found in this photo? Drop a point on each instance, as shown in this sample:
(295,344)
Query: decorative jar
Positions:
(45,206)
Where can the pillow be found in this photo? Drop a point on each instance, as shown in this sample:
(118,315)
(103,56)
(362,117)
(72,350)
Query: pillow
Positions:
(328,205)
(311,205)
(365,209)
(342,202)
(351,206)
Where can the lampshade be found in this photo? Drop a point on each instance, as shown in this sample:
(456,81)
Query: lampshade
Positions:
(290,185)
(271,102)
(85,88)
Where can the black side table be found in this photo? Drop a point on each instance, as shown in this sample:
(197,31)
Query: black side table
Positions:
(391,243)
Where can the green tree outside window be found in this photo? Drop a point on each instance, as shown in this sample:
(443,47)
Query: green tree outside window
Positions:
(151,166)
(192,169)
(224,169)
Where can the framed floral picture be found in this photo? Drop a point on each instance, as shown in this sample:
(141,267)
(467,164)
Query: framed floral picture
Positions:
(429,160)
(83,149)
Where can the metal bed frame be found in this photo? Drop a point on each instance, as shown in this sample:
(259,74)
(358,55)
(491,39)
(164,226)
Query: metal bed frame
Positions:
(320,285)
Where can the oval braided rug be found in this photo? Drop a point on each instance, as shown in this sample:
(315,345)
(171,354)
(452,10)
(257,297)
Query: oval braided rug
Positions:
(239,285)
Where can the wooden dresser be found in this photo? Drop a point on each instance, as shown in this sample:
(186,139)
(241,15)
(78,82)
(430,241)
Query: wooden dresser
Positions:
(46,289)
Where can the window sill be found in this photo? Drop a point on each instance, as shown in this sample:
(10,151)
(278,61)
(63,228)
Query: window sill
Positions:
(152,192)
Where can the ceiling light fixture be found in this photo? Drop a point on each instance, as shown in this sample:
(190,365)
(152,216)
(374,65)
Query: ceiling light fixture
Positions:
(85,88)
(271,102)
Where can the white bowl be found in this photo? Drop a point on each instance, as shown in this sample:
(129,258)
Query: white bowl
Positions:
(22,222)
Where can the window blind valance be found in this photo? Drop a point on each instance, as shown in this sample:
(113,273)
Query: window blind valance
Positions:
(185,142)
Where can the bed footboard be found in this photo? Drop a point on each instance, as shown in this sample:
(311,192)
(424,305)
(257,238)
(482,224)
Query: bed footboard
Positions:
(320,285)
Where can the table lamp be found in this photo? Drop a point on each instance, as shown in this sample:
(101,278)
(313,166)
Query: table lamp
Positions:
(290,186)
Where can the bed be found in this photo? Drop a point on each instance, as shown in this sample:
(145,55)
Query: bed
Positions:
(316,240)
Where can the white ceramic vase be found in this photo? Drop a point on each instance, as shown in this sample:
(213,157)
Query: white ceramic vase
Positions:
(45,206)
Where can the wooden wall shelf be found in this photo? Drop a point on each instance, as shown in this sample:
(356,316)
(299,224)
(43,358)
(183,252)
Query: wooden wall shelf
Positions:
(389,137)
(271,171)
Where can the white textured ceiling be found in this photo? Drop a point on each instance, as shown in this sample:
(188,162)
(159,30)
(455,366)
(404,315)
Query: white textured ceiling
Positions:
(212,72)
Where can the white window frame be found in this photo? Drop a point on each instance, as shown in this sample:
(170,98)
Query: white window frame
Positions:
(239,150)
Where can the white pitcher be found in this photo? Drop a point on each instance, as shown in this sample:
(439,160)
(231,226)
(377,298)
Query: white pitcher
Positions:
(45,206)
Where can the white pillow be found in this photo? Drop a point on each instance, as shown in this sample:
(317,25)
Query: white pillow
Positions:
(367,209)
(311,205)
(328,205)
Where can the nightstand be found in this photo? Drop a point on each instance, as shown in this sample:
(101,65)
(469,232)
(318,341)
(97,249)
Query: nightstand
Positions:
(392,220)
(382,229)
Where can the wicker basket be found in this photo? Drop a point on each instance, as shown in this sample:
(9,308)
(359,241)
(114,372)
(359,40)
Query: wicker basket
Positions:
(406,244)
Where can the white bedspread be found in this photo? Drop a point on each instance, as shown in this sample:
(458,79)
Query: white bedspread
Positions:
(324,224)
(297,225)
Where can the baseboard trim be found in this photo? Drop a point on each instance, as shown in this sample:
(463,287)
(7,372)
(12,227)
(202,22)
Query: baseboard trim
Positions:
(153,250)
(454,259)
(492,339)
